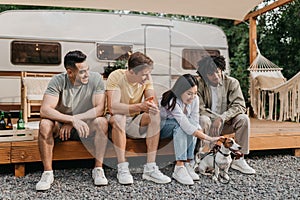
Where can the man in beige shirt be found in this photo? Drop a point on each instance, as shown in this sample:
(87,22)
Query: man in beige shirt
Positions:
(130,115)
(222,106)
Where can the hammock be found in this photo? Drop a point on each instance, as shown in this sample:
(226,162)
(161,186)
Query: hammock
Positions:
(271,94)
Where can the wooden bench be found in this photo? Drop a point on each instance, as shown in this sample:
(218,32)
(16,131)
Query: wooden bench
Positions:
(27,151)
(265,135)
(5,152)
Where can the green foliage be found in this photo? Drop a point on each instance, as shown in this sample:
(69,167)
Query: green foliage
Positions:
(278,37)
(119,64)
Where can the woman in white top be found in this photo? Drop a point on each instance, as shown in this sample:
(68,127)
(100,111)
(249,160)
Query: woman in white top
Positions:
(180,120)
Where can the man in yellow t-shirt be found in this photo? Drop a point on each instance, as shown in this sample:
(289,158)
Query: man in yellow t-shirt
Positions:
(129,114)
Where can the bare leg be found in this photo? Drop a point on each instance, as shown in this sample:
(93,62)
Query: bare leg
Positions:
(153,133)
(46,143)
(100,124)
(119,136)
(180,162)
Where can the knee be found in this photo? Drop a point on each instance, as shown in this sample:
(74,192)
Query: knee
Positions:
(102,124)
(205,122)
(243,120)
(150,118)
(46,128)
(178,132)
(118,122)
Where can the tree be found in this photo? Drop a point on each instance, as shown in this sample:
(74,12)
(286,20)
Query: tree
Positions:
(278,37)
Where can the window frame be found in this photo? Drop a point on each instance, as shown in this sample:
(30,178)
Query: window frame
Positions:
(116,56)
(38,56)
(190,63)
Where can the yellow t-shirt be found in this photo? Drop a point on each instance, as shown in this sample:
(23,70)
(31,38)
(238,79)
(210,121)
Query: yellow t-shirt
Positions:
(131,93)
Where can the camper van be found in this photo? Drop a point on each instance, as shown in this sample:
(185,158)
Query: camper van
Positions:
(37,40)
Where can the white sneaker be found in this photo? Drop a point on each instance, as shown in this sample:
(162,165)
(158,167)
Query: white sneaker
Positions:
(242,166)
(46,181)
(181,175)
(190,169)
(124,176)
(152,173)
(99,176)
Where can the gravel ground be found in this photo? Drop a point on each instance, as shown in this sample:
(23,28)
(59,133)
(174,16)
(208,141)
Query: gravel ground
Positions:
(277,177)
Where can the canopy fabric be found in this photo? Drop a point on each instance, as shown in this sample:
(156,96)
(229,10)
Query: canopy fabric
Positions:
(229,9)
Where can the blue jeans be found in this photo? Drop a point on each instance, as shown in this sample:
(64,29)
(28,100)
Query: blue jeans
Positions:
(184,144)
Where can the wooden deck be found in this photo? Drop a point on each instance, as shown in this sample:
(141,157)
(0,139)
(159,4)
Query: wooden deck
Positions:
(267,134)
(264,135)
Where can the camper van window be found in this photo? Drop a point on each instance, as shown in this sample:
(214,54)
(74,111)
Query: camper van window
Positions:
(190,57)
(110,52)
(35,53)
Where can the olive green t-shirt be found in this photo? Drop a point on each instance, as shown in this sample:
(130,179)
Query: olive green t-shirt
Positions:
(75,99)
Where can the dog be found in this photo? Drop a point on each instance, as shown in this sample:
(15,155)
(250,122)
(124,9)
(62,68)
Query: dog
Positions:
(218,160)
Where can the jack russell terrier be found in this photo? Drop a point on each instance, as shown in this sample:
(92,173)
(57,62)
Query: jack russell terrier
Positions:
(218,159)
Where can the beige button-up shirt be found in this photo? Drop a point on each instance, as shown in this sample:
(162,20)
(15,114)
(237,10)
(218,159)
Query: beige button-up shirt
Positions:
(230,99)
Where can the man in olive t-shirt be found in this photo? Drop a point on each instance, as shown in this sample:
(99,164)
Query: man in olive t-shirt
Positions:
(73,108)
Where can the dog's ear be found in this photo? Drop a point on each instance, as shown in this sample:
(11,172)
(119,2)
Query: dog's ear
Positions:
(221,141)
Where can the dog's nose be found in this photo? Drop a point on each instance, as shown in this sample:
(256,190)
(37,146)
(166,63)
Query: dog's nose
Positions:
(240,147)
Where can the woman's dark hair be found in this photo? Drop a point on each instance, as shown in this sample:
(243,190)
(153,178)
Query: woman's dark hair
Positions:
(210,64)
(182,84)
(73,57)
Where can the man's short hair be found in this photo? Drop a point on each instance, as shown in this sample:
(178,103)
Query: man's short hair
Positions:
(209,64)
(73,57)
(138,61)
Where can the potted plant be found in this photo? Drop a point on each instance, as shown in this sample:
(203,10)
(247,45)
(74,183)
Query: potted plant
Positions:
(119,64)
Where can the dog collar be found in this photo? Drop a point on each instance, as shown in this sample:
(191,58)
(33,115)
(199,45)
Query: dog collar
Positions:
(224,154)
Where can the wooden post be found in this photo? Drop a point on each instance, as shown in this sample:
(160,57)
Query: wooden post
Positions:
(252,39)
(297,152)
(20,169)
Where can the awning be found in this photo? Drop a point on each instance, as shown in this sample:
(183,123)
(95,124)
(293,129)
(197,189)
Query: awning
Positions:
(225,9)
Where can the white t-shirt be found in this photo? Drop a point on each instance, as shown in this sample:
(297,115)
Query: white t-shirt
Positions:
(214,97)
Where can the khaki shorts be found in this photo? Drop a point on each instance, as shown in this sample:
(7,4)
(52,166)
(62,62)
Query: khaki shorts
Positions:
(133,129)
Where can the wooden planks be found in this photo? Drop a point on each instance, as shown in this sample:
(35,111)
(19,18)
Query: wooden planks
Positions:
(27,151)
(16,135)
(5,152)
(274,135)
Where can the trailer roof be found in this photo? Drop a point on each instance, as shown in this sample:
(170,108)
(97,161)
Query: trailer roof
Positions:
(229,9)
